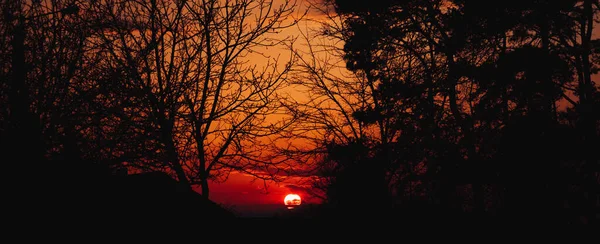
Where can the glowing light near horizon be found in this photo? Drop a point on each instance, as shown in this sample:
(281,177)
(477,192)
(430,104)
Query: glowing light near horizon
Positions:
(292,200)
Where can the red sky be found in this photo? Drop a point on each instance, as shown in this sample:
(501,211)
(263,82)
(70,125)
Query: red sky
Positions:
(248,197)
(244,189)
(243,192)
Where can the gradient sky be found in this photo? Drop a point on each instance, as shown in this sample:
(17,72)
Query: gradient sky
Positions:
(243,192)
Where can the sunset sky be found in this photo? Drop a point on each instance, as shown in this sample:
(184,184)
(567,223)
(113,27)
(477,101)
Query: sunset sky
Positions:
(434,111)
(244,192)
(418,111)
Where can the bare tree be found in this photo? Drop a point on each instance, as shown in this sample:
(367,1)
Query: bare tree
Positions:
(43,48)
(233,104)
(202,104)
(331,102)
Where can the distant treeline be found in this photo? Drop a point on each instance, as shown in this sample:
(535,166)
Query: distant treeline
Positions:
(444,106)
(464,107)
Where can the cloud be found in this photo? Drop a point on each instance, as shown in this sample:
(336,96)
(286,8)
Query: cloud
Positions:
(316,8)
(297,189)
(276,171)
(307,193)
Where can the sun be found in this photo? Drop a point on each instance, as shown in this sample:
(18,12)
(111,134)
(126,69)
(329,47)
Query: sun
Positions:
(292,200)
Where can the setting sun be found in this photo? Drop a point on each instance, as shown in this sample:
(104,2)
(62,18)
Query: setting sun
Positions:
(190,111)
(292,200)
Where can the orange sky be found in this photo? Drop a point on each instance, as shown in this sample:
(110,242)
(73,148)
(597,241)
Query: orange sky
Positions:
(241,189)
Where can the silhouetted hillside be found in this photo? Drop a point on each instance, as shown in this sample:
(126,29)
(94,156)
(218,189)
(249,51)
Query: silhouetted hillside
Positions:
(159,195)
(87,194)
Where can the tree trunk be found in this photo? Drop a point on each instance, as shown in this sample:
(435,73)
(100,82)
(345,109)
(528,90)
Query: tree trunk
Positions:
(205,188)
(202,167)
(473,164)
(548,101)
(588,122)
(25,130)
(586,86)
(173,158)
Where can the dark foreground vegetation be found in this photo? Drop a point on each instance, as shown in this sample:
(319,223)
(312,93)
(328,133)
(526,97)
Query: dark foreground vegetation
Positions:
(442,110)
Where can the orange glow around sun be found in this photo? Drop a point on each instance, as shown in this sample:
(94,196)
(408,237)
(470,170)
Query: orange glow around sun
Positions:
(292,200)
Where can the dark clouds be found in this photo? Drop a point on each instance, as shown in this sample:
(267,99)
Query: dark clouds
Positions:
(308,194)
(297,189)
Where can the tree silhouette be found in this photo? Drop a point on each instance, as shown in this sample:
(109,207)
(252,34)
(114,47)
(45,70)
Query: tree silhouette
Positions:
(433,108)
(197,100)
(461,82)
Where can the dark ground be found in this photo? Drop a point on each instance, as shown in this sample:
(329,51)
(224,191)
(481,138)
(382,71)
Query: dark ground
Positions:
(156,201)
